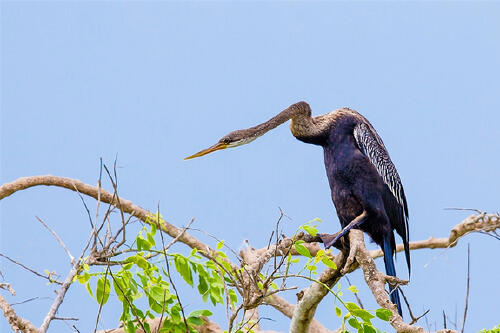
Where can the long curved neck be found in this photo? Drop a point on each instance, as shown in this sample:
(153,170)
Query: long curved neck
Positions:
(299,113)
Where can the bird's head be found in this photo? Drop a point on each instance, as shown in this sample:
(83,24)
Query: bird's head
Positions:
(233,139)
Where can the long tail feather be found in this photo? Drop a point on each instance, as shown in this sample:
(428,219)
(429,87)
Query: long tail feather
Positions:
(390,269)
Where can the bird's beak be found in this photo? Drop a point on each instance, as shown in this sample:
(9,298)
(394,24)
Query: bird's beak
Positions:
(217,146)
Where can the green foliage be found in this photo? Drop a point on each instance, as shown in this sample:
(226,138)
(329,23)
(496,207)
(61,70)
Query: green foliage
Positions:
(495,329)
(142,283)
(138,278)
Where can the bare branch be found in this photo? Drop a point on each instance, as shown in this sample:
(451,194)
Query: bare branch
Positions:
(7,286)
(306,306)
(467,290)
(168,265)
(376,282)
(127,206)
(288,310)
(18,324)
(31,270)
(71,258)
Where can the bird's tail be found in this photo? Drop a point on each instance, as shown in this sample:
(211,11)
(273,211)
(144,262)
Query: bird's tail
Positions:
(390,269)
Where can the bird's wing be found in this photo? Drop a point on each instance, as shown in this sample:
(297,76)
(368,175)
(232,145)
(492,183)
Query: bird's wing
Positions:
(372,146)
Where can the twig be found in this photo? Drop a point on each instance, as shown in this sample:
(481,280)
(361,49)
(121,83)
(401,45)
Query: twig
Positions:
(356,294)
(102,299)
(413,318)
(31,270)
(66,318)
(168,265)
(467,289)
(128,301)
(468,209)
(114,183)
(85,205)
(64,287)
(173,241)
(162,311)
(71,258)
(28,300)
(7,286)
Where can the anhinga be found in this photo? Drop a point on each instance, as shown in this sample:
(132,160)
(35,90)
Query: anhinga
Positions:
(365,186)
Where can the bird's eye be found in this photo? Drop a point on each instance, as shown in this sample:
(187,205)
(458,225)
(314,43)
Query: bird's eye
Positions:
(226,140)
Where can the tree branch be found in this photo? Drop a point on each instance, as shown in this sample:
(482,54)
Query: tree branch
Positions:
(98,193)
(18,324)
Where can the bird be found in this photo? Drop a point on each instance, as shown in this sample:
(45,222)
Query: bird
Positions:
(366,189)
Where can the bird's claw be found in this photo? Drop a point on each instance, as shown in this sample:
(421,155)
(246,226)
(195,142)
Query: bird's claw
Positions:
(353,250)
(332,240)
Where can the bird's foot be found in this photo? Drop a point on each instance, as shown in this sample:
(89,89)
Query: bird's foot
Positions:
(353,250)
(332,240)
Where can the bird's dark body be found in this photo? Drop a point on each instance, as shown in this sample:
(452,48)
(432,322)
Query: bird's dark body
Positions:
(357,187)
(365,186)
(355,183)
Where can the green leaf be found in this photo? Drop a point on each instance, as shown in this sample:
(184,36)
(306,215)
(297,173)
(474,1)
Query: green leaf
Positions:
(301,249)
(353,289)
(316,219)
(120,287)
(195,321)
(351,306)
(102,290)
(354,323)
(153,229)
(338,311)
(232,296)
(310,230)
(220,245)
(142,244)
(89,289)
(127,266)
(159,294)
(202,284)
(175,313)
(83,278)
(383,314)
(151,240)
(363,314)
(141,262)
(311,268)
(329,262)
(154,305)
(198,313)
(369,328)
(130,327)
(182,266)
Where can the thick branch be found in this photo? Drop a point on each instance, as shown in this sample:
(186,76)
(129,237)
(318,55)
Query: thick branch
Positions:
(127,206)
(376,282)
(288,309)
(474,223)
(17,323)
(208,326)
(306,306)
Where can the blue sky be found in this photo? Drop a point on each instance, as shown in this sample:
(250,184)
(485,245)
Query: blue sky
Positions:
(153,82)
